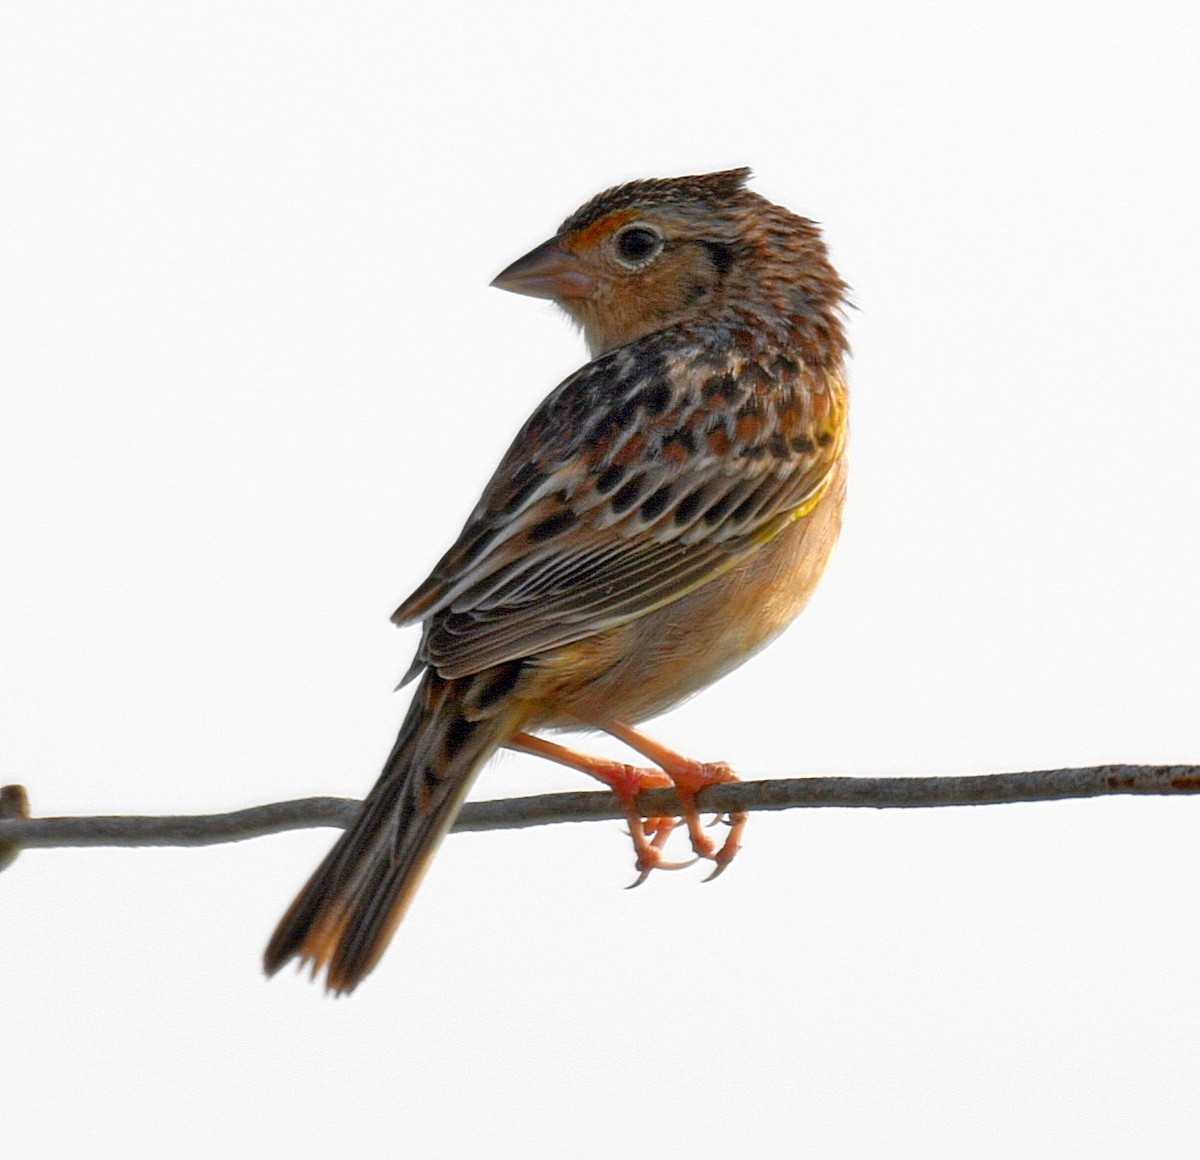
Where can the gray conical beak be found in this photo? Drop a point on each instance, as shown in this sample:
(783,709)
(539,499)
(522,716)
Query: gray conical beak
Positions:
(549,271)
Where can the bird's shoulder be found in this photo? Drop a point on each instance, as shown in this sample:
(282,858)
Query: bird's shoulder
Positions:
(671,454)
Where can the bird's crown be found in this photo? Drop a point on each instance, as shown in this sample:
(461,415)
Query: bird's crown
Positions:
(714,189)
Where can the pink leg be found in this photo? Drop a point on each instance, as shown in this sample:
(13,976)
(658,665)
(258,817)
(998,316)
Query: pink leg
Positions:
(626,781)
(689,778)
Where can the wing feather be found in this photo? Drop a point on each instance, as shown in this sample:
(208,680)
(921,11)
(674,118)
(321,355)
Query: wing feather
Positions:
(635,482)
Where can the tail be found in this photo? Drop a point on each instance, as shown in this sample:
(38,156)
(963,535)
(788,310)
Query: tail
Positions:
(343,918)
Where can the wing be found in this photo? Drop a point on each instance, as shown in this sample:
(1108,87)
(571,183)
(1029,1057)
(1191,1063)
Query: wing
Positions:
(646,474)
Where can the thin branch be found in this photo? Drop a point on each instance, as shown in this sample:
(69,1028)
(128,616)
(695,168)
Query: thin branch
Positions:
(516,813)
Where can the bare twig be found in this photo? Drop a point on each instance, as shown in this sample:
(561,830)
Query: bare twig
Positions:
(517,813)
(14,803)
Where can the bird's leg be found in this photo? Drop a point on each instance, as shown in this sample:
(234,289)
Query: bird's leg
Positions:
(626,782)
(689,778)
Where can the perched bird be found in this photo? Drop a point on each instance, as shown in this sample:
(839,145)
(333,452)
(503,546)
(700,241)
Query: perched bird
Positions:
(662,515)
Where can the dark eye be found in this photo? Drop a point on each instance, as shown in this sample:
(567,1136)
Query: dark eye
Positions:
(637,243)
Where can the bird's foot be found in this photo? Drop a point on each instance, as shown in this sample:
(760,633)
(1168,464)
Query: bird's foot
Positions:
(690,778)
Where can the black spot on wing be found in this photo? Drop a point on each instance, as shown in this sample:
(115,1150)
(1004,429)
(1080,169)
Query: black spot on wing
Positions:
(623,416)
(716,513)
(686,508)
(756,501)
(745,509)
(724,386)
(654,398)
(684,437)
(656,504)
(628,495)
(562,520)
(609,478)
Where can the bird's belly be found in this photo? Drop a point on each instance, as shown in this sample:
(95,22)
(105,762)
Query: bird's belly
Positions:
(640,669)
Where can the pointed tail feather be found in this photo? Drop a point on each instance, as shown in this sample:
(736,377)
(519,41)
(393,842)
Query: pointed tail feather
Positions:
(343,918)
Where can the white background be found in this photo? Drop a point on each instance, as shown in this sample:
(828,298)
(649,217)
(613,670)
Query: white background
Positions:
(252,379)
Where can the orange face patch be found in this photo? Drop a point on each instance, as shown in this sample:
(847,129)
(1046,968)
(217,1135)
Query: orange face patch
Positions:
(589,236)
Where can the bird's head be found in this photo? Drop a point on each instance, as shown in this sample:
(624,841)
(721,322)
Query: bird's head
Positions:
(649,254)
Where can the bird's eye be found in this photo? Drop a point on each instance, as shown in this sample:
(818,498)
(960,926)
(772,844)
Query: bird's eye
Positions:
(637,244)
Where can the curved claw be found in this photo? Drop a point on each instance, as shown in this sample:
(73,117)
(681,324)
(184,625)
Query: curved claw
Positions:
(645,871)
(678,865)
(726,854)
